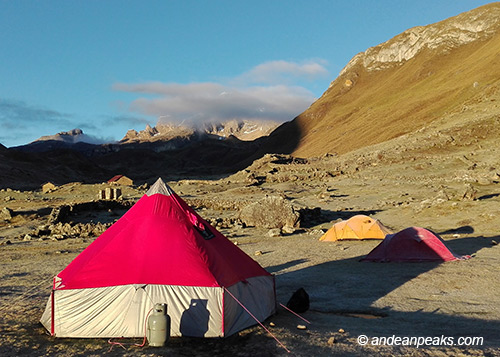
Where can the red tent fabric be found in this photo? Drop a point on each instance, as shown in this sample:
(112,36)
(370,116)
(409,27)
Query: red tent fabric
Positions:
(413,244)
(158,241)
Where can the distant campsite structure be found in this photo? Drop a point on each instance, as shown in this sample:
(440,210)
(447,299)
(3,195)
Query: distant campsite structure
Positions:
(48,187)
(121,180)
(109,194)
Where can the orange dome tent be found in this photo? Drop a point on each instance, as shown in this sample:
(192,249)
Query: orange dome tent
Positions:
(357,227)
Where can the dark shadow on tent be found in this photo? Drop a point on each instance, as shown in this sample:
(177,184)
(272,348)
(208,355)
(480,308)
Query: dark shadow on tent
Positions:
(194,320)
(350,286)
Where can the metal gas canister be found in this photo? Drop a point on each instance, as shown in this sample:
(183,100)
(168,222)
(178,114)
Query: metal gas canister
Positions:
(158,331)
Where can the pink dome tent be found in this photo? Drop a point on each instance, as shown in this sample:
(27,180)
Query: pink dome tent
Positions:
(413,244)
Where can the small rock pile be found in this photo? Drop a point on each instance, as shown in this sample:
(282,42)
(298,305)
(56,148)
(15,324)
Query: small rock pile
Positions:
(227,222)
(60,231)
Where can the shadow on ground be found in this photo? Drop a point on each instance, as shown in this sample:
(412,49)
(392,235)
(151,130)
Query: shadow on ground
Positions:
(348,287)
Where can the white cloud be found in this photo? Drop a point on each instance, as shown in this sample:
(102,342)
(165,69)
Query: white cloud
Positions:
(284,72)
(265,92)
(96,140)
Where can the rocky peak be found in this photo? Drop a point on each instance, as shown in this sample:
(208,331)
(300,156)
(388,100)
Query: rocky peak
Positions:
(443,36)
(242,129)
(71,136)
(131,134)
(151,131)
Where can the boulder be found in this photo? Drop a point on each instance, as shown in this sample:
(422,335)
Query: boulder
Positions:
(6,214)
(270,212)
(274,232)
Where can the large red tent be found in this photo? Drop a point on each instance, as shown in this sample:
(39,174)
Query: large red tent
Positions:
(160,251)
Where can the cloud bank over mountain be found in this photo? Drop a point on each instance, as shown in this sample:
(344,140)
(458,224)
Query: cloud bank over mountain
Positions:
(269,91)
(274,90)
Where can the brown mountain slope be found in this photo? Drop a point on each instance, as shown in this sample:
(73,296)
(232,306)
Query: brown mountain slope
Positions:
(402,85)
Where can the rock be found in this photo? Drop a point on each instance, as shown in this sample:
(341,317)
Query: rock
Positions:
(27,237)
(470,193)
(239,225)
(56,237)
(341,330)
(288,230)
(258,252)
(442,195)
(331,341)
(6,214)
(270,212)
(316,232)
(484,181)
(272,324)
(302,327)
(274,232)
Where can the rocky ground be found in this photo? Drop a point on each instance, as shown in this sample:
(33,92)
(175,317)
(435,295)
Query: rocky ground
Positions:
(444,178)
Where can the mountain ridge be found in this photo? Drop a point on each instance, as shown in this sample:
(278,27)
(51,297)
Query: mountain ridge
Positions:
(364,106)
(245,130)
(448,34)
(446,92)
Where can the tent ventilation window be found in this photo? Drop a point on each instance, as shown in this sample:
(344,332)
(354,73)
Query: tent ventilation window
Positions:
(204,231)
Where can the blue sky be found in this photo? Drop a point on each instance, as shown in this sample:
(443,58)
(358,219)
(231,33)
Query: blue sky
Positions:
(109,66)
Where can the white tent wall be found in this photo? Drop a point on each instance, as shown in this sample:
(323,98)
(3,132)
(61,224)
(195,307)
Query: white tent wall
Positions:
(257,295)
(120,311)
